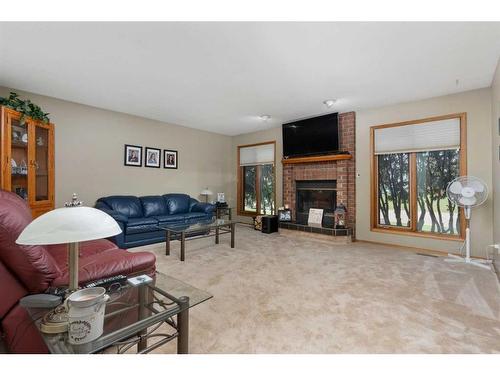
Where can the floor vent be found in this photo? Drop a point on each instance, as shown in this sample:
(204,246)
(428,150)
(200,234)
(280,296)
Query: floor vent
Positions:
(428,255)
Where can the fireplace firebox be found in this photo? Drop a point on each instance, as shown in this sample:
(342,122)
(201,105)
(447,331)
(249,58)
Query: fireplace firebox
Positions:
(316,194)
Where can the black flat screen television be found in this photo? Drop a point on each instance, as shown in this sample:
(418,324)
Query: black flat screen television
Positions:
(312,136)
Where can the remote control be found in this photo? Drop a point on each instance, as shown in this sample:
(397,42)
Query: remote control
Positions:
(43,301)
(139,280)
(108,281)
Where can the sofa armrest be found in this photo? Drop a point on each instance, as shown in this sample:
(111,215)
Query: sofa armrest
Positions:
(206,208)
(115,215)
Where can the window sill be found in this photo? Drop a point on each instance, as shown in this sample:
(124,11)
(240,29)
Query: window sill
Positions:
(247,213)
(403,232)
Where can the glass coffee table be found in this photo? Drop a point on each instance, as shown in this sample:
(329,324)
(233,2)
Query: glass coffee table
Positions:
(134,316)
(209,228)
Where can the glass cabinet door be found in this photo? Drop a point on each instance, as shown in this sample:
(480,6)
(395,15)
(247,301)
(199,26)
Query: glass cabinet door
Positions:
(40,163)
(19,160)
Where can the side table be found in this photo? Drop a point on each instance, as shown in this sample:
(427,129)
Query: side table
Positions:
(223,211)
(133,316)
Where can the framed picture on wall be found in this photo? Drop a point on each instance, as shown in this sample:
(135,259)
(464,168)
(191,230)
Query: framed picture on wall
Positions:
(170,160)
(152,157)
(133,156)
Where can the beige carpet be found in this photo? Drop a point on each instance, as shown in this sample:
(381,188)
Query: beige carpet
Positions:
(286,294)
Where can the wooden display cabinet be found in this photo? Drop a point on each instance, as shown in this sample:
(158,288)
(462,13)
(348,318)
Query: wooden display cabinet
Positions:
(27,160)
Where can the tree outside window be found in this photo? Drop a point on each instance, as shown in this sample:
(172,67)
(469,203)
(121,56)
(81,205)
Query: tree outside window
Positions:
(256,179)
(394,189)
(414,161)
(435,170)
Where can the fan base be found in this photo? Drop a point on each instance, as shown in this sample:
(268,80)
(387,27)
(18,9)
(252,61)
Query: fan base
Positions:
(475,262)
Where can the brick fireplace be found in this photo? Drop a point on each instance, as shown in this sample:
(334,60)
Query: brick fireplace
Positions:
(343,172)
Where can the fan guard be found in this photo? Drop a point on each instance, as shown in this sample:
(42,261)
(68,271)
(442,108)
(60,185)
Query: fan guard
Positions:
(467,191)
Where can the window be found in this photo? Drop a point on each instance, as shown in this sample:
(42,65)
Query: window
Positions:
(435,213)
(412,165)
(250,189)
(256,180)
(394,189)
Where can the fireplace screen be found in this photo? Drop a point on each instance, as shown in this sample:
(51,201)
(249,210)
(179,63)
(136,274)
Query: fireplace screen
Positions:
(316,194)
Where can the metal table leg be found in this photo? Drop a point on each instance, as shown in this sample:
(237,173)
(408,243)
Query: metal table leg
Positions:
(183,326)
(232,234)
(143,313)
(167,242)
(183,245)
(217,235)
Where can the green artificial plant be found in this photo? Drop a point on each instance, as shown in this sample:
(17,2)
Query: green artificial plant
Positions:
(25,107)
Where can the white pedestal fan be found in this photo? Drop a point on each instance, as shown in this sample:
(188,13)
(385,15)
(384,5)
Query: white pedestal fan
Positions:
(467,192)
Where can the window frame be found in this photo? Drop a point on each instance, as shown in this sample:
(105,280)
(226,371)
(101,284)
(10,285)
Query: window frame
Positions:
(412,229)
(240,193)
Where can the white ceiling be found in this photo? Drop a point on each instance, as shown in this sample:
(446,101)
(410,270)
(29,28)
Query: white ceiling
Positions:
(221,76)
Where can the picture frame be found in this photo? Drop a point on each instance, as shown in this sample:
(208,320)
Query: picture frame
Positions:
(285,215)
(133,156)
(152,157)
(170,159)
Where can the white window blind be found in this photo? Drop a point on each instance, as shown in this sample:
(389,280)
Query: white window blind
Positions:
(428,136)
(255,155)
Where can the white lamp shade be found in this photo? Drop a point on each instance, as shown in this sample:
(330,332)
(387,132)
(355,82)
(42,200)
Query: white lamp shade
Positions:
(71,224)
(206,192)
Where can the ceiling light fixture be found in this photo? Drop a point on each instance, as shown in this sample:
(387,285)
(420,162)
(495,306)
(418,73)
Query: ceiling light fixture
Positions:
(330,102)
(265,117)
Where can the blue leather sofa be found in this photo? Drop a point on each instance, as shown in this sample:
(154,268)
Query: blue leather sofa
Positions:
(139,216)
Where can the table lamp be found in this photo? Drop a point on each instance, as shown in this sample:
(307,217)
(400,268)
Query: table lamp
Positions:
(206,193)
(71,225)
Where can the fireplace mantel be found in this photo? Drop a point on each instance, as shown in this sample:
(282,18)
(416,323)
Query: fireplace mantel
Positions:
(339,167)
(315,159)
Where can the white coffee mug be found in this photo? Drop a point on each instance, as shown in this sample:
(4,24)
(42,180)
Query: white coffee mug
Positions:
(86,314)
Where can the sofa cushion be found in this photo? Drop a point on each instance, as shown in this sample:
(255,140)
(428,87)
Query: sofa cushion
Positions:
(120,218)
(127,205)
(153,205)
(11,291)
(171,218)
(32,265)
(87,248)
(206,208)
(197,215)
(177,203)
(141,225)
(110,263)
(20,334)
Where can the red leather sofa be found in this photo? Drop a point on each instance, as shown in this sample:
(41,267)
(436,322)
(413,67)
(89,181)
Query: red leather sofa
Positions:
(32,269)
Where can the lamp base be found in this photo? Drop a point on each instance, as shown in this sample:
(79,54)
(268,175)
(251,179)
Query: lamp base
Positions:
(73,254)
(55,321)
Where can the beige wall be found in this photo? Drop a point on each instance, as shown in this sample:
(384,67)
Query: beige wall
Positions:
(495,138)
(89,154)
(476,103)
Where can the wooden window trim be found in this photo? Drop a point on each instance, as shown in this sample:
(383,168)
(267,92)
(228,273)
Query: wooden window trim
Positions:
(412,230)
(239,174)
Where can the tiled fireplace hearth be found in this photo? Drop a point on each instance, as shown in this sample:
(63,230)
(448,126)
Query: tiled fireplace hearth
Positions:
(341,172)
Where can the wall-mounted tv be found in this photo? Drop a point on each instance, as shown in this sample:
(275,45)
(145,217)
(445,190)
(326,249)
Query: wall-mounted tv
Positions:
(312,136)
